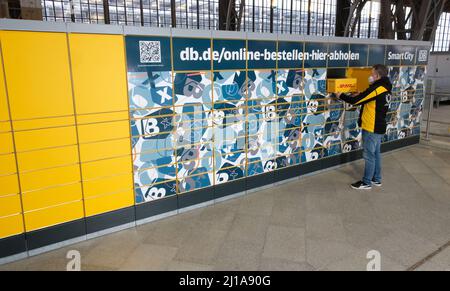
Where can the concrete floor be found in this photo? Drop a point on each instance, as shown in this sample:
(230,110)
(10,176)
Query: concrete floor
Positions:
(315,223)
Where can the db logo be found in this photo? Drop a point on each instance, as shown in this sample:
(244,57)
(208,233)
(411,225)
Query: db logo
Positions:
(423,56)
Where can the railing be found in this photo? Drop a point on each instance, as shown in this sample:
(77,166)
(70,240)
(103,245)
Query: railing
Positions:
(435,97)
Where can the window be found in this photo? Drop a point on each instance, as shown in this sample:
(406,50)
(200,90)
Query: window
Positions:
(406,11)
(367,26)
(313,17)
(442,38)
(201,14)
(54,10)
(291,16)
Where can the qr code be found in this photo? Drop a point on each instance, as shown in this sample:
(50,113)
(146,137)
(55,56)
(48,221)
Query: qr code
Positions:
(150,51)
(423,55)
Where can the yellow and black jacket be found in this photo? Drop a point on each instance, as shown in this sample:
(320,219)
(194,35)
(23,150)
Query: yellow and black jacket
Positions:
(375,105)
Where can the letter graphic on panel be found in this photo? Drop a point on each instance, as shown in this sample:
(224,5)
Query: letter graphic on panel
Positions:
(152,112)
(102,129)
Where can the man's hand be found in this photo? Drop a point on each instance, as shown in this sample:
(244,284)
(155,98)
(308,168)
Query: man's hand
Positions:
(338,95)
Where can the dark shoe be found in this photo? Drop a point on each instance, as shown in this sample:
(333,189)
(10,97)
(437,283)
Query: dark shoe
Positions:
(375,183)
(360,185)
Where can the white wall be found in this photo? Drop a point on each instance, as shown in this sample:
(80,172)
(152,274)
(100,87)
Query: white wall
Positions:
(439,69)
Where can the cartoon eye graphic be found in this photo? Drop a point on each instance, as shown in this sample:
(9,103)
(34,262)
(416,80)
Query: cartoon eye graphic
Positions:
(401,134)
(270,166)
(404,96)
(313,105)
(270,112)
(222,177)
(297,82)
(140,101)
(314,156)
(155,193)
(271,115)
(188,156)
(218,117)
(194,89)
(347,148)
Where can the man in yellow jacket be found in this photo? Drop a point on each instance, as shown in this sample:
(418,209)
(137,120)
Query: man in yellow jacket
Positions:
(372,119)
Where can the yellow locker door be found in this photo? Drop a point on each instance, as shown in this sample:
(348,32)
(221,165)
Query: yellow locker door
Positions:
(11,218)
(41,102)
(100,90)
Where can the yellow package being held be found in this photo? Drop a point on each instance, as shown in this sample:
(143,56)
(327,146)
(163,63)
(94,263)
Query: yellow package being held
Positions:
(344,85)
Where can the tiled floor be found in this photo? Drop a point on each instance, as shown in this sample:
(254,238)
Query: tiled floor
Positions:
(315,223)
